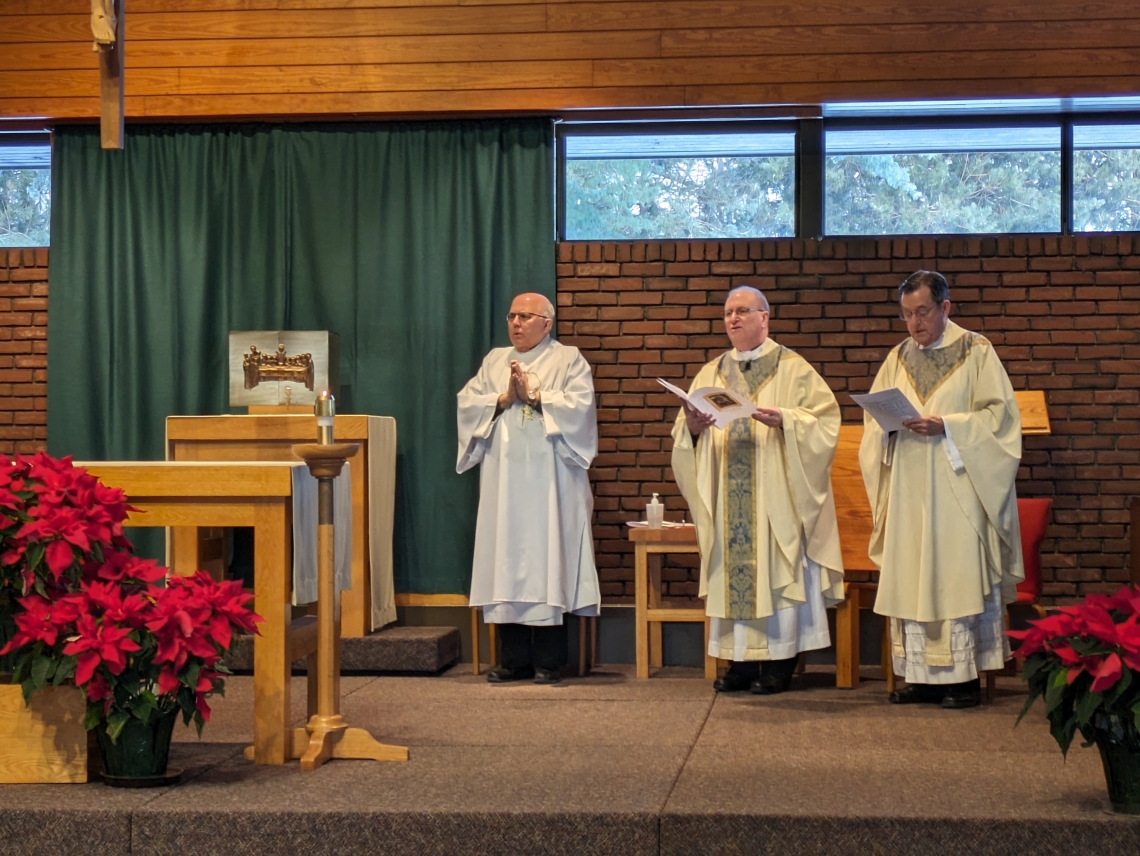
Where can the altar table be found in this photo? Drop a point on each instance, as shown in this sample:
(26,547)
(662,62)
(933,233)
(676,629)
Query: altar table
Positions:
(370,604)
(254,494)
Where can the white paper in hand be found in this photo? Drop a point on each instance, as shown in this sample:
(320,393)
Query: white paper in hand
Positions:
(722,404)
(888,407)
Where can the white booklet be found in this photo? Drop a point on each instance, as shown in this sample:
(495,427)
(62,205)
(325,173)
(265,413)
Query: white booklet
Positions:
(888,407)
(722,404)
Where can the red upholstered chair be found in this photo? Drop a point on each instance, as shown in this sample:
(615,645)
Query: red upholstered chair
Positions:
(1033,515)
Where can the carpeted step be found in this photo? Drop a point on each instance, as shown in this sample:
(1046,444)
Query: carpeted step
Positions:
(393,649)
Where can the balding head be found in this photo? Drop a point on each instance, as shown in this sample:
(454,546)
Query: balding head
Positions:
(761,300)
(529,320)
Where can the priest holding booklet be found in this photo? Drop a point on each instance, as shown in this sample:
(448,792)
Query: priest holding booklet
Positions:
(941,489)
(759,491)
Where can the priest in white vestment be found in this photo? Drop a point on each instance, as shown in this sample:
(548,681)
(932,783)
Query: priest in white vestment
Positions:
(759,492)
(945,535)
(529,418)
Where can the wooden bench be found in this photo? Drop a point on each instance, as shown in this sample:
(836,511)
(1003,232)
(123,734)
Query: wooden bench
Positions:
(854,513)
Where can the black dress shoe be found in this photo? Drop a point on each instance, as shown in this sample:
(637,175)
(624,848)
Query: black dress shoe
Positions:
(732,683)
(917,694)
(503,675)
(775,676)
(959,696)
(770,685)
(546,676)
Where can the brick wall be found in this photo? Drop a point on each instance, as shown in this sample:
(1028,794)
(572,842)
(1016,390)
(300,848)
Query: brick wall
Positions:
(1063,313)
(23,350)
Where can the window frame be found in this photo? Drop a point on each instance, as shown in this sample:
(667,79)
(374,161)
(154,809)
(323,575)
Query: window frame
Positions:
(25,138)
(603,128)
(949,123)
(810,155)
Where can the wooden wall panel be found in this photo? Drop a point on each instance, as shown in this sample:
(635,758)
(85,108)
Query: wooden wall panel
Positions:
(281,58)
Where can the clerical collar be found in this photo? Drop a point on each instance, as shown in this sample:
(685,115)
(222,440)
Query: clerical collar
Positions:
(754,354)
(527,356)
(948,335)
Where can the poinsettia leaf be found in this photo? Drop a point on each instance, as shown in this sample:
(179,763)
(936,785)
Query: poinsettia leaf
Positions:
(93,717)
(64,671)
(1033,665)
(1063,733)
(1113,695)
(1025,707)
(1087,647)
(130,682)
(115,723)
(1055,694)
(142,707)
(1136,714)
(22,667)
(35,554)
(42,670)
(1086,706)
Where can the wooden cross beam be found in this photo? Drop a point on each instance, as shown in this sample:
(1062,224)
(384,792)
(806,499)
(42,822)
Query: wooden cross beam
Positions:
(107,28)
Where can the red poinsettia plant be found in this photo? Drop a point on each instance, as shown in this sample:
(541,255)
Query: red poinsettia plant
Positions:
(1085,661)
(82,609)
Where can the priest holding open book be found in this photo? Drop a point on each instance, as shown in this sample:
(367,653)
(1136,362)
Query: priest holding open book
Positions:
(941,489)
(759,491)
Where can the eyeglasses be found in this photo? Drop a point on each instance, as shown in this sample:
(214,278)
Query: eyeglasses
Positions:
(922,313)
(524,316)
(742,313)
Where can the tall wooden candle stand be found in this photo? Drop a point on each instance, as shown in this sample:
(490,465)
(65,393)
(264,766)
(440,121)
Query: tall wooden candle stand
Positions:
(327,734)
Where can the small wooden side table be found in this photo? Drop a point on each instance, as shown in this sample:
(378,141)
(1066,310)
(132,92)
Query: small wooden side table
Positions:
(651,611)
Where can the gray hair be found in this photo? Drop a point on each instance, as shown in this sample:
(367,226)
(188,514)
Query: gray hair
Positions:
(936,282)
(753,290)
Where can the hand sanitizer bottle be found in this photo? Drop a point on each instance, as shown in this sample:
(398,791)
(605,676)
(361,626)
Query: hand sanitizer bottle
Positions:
(654,513)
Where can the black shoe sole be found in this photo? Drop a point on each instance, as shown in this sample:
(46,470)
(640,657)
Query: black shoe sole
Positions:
(512,679)
(761,688)
(722,687)
(960,702)
(918,694)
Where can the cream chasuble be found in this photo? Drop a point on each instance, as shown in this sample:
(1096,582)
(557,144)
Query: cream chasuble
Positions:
(945,533)
(534,550)
(762,504)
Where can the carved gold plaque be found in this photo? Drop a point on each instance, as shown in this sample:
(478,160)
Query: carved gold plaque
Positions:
(282,367)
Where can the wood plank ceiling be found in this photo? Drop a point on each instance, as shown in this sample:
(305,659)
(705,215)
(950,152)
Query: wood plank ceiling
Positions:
(239,58)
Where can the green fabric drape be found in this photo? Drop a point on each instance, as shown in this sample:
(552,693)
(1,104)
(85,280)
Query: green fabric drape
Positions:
(407,240)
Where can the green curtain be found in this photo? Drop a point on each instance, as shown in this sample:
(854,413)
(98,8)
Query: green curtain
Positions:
(408,240)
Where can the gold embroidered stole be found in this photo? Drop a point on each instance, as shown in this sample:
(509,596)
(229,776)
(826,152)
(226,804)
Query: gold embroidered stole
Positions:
(739,476)
(928,369)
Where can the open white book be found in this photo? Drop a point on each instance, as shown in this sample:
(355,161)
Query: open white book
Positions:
(888,407)
(722,404)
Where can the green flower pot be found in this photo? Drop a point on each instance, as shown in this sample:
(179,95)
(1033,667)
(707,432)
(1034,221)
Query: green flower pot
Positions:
(1119,743)
(138,759)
